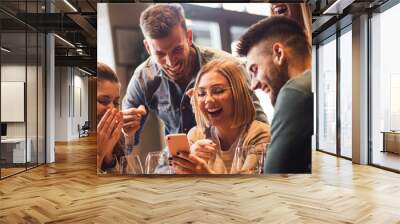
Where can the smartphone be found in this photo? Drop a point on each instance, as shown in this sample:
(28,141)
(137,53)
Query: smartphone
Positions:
(177,143)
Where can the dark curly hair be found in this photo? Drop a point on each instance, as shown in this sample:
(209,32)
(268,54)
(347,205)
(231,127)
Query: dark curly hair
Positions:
(276,28)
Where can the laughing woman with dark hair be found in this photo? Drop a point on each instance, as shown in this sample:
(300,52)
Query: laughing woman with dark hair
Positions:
(109,118)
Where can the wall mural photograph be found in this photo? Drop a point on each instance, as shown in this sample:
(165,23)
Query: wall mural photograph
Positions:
(204,88)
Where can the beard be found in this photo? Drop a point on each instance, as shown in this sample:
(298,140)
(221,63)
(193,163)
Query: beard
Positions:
(176,72)
(181,70)
(278,77)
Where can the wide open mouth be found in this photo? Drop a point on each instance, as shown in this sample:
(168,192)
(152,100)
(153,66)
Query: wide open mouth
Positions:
(215,112)
(177,69)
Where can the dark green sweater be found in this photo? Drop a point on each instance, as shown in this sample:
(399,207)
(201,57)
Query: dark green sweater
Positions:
(292,128)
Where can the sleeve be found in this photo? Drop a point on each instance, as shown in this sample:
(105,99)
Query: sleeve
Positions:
(134,97)
(262,134)
(292,128)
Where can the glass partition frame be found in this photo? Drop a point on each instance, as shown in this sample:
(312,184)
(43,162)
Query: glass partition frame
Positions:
(30,56)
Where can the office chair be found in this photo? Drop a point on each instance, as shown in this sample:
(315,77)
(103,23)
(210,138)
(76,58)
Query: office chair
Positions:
(84,130)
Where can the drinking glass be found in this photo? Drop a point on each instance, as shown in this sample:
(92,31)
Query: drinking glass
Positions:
(129,164)
(134,166)
(153,161)
(263,148)
(121,165)
(249,159)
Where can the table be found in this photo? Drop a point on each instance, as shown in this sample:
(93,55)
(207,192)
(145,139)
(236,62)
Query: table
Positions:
(391,141)
(13,150)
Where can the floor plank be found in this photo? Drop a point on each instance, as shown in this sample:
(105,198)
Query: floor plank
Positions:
(69,191)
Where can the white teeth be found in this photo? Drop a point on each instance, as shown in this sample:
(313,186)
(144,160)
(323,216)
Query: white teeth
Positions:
(213,110)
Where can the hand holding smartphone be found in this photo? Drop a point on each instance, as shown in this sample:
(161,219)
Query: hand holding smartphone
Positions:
(177,143)
(186,162)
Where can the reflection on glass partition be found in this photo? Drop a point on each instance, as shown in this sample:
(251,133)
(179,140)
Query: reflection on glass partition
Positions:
(385,89)
(22,92)
(327,97)
(346,94)
(31,99)
(15,150)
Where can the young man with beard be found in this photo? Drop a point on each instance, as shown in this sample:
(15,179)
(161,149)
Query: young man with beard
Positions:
(279,59)
(161,82)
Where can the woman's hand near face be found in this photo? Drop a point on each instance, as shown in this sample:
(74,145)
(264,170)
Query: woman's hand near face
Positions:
(204,149)
(189,163)
(108,134)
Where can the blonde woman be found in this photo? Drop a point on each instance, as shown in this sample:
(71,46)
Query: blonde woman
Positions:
(225,117)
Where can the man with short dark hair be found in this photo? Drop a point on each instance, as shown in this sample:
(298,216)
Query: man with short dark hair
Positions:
(279,59)
(161,82)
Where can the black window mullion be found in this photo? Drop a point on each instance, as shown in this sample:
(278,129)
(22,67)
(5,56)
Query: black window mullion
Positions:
(369,100)
(317,97)
(37,91)
(26,87)
(338,76)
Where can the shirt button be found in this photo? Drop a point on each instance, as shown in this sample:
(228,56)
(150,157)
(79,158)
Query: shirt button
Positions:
(185,129)
(183,108)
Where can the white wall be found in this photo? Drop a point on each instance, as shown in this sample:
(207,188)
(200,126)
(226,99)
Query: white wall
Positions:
(16,73)
(13,73)
(69,85)
(80,111)
(61,104)
(33,126)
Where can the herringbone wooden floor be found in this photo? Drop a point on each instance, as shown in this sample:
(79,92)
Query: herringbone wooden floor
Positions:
(69,191)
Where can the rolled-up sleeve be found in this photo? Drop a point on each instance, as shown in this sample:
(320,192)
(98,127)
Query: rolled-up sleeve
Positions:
(134,97)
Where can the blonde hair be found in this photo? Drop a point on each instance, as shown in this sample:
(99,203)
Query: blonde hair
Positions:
(244,112)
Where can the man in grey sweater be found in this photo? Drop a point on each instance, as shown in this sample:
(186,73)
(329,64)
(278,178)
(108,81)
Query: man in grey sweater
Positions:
(279,59)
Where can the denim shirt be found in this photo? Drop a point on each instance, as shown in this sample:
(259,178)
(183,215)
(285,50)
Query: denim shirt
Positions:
(151,87)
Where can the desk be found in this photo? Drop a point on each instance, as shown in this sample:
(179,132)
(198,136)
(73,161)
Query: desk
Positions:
(391,141)
(13,150)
